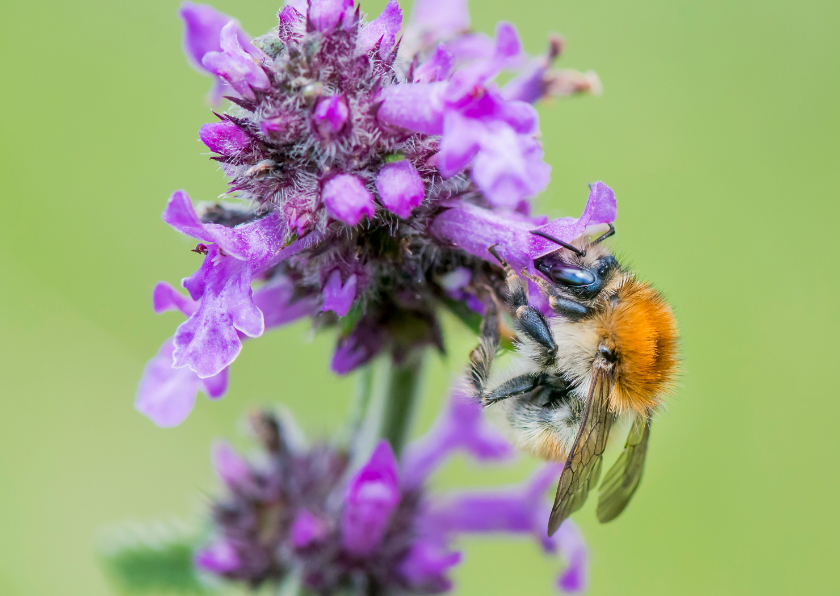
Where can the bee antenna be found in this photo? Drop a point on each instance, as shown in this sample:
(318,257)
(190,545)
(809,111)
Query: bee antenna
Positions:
(605,235)
(566,245)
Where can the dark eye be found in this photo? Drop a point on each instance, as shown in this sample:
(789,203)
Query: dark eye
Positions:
(569,275)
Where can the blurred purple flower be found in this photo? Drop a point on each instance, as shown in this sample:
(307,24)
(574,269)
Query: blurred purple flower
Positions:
(369,501)
(384,530)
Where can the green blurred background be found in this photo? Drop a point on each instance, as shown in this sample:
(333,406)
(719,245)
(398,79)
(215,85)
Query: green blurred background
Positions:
(718,130)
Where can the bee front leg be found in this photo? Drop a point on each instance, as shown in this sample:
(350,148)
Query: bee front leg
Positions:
(530,321)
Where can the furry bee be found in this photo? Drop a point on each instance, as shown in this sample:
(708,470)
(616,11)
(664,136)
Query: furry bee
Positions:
(609,350)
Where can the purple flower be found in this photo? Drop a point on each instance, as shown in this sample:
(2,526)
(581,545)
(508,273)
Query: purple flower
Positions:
(307,530)
(235,65)
(337,297)
(436,68)
(400,188)
(323,152)
(460,427)
(229,466)
(371,498)
(347,199)
(330,115)
(224,137)
(202,31)
(538,80)
(386,530)
(426,566)
(436,20)
(166,395)
(208,341)
(478,124)
(382,30)
(220,557)
(327,14)
(474,229)
(357,348)
(517,510)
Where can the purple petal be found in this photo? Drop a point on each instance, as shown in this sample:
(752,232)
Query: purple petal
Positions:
(166,298)
(475,229)
(166,395)
(220,557)
(460,143)
(229,466)
(384,27)
(330,115)
(509,167)
(326,14)
(216,386)
(440,19)
(508,44)
(347,199)
(202,30)
(600,209)
(179,214)
(460,427)
(472,46)
(358,348)
(400,188)
(339,298)
(417,106)
(224,138)
(307,530)
(302,6)
(426,565)
(435,68)
(571,546)
(208,341)
(520,509)
(276,300)
(235,65)
(371,497)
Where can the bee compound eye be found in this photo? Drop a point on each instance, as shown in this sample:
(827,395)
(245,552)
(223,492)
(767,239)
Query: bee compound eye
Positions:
(608,354)
(571,276)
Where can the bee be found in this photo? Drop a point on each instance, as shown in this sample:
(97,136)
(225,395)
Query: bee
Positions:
(607,351)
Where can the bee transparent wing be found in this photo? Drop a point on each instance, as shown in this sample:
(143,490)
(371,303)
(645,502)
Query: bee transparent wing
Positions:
(624,476)
(583,465)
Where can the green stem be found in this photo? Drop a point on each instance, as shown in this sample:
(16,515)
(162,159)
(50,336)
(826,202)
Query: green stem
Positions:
(361,404)
(401,397)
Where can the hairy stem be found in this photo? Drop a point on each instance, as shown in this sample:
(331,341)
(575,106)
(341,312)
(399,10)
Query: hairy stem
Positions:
(402,394)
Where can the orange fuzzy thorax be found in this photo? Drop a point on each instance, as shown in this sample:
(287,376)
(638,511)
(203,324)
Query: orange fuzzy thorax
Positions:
(640,328)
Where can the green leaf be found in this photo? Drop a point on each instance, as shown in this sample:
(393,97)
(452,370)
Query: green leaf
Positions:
(153,559)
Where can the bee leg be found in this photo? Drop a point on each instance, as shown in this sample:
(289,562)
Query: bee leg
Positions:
(514,387)
(528,319)
(559,303)
(481,358)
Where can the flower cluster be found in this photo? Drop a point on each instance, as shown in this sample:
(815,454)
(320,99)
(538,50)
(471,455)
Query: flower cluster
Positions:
(372,173)
(303,513)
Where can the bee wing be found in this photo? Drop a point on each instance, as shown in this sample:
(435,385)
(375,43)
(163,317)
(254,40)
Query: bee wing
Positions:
(624,476)
(583,465)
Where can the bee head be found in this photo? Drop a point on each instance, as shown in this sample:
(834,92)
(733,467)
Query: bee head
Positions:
(581,268)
